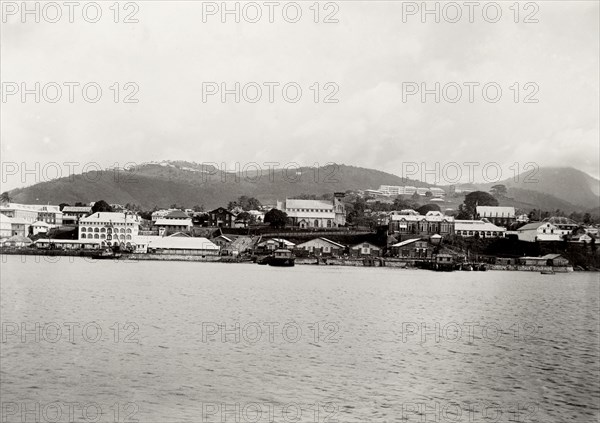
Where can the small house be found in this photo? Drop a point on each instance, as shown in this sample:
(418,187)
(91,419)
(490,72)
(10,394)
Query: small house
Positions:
(365,249)
(322,247)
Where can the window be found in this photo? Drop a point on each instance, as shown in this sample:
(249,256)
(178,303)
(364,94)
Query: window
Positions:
(96,230)
(82,235)
(103,230)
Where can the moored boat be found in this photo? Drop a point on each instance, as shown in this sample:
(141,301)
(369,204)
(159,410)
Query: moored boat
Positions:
(106,254)
(281,258)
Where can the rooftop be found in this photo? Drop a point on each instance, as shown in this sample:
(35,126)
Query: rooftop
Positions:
(307,204)
(163,221)
(495,211)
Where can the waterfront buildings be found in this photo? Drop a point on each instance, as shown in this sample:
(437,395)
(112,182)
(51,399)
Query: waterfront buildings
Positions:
(365,249)
(180,244)
(322,247)
(315,213)
(273,244)
(5,226)
(28,213)
(434,222)
(415,248)
(40,227)
(109,228)
(481,228)
(23,216)
(551,229)
(172,222)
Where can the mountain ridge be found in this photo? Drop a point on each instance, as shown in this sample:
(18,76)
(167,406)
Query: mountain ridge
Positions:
(188,183)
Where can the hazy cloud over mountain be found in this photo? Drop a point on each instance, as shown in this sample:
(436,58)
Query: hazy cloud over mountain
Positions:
(368,54)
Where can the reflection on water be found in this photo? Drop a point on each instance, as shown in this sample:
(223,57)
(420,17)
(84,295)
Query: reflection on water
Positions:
(173,342)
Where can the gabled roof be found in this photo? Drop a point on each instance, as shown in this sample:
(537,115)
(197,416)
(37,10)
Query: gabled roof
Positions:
(336,244)
(476,225)
(19,238)
(178,242)
(307,204)
(176,214)
(551,256)
(224,237)
(278,241)
(222,210)
(40,223)
(530,226)
(406,242)
(113,217)
(77,209)
(363,243)
(5,219)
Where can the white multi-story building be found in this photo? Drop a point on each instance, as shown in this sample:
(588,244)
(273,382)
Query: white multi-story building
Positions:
(5,226)
(551,229)
(437,192)
(72,214)
(31,213)
(109,228)
(391,190)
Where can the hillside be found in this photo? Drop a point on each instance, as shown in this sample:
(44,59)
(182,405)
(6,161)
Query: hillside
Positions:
(563,183)
(186,183)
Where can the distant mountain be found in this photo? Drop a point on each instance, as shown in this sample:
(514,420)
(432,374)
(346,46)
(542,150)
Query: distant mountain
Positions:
(564,183)
(187,183)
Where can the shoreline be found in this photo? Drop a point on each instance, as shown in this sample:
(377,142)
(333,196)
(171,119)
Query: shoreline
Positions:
(313,261)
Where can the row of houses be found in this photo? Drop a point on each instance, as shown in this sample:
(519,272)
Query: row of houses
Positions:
(556,228)
(408,223)
(395,190)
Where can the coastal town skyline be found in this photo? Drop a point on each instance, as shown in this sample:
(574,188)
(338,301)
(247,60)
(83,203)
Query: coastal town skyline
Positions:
(299,211)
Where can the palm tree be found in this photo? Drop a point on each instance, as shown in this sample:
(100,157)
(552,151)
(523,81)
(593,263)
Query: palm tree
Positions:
(5,198)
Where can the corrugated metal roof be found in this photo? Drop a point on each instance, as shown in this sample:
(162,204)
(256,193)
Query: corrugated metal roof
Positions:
(307,204)
(406,242)
(495,211)
(173,222)
(177,243)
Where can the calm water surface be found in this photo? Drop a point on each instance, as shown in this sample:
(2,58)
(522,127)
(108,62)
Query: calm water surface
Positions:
(494,346)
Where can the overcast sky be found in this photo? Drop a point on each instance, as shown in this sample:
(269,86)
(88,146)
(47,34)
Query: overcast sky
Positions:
(369,54)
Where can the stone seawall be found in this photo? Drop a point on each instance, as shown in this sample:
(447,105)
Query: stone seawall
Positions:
(531,268)
(172,257)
